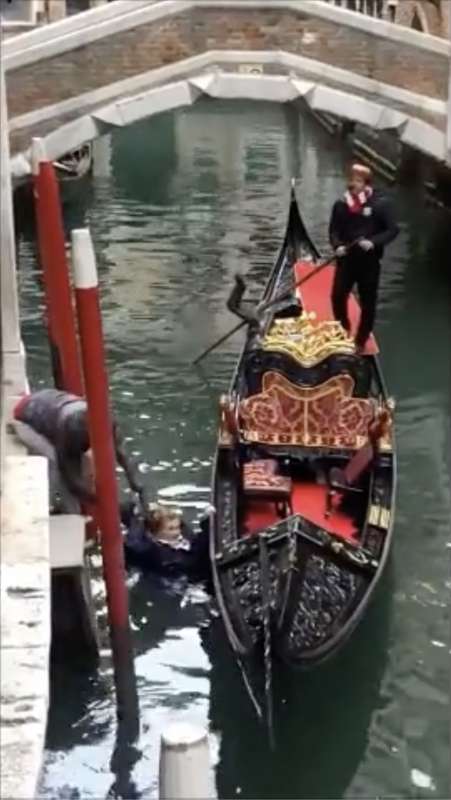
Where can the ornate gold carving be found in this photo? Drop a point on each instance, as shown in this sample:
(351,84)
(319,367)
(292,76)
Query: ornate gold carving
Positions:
(227,423)
(379,516)
(374,515)
(304,440)
(307,341)
(385,445)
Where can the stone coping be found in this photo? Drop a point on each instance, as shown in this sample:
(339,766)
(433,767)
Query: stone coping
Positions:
(309,88)
(222,59)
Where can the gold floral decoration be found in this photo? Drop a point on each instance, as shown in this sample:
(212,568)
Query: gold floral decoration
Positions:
(307,341)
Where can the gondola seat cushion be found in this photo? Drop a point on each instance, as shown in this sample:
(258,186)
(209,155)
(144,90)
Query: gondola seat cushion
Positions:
(320,416)
(262,485)
(258,468)
(271,485)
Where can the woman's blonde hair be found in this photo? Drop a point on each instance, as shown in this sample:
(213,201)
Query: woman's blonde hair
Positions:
(158,516)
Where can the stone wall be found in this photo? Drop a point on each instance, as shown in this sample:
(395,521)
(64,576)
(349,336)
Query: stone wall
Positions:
(432,16)
(162,42)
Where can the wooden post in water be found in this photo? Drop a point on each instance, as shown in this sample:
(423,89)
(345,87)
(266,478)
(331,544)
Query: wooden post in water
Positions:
(102,444)
(52,251)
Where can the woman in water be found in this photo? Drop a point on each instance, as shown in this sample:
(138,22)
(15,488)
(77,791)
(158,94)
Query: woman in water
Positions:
(160,540)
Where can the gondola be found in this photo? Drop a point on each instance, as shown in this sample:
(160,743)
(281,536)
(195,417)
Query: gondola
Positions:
(76,164)
(304,473)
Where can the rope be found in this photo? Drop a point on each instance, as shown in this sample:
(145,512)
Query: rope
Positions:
(267,655)
(249,689)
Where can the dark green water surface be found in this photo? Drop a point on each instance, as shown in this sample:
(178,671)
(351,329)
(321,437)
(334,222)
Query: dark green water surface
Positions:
(176,206)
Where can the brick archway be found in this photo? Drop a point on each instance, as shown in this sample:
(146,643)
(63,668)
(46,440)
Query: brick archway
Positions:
(431,17)
(229,85)
(419,19)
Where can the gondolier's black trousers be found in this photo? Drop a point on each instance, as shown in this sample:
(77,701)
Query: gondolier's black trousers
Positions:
(361,270)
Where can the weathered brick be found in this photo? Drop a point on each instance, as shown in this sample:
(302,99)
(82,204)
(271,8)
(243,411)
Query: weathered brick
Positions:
(154,44)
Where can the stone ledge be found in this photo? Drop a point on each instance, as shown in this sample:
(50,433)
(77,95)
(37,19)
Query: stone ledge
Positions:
(25,517)
(23,720)
(25,623)
(14,374)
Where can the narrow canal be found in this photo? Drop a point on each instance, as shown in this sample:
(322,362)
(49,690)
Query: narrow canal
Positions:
(176,206)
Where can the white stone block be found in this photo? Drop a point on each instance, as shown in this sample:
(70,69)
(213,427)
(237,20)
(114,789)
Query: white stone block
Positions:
(203,82)
(347,106)
(24,512)
(67,541)
(270,88)
(156,101)
(425,138)
(185,772)
(390,119)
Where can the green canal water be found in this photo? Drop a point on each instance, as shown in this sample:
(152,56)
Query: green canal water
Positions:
(176,206)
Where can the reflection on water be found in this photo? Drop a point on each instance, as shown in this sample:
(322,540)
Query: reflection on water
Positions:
(176,206)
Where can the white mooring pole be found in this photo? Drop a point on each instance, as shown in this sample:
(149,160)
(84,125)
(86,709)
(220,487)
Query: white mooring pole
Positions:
(185,771)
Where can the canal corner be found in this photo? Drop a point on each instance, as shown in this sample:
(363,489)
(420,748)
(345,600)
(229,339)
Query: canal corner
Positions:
(30,542)
(24,540)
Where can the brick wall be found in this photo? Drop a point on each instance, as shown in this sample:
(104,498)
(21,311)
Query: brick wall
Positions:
(433,14)
(433,17)
(158,43)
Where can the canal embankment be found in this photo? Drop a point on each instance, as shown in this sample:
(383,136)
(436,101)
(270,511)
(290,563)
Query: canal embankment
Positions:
(25,547)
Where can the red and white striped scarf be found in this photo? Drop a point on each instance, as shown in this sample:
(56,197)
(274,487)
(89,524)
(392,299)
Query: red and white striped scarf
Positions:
(355,202)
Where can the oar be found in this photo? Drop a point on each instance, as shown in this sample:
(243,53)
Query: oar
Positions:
(264,307)
(220,341)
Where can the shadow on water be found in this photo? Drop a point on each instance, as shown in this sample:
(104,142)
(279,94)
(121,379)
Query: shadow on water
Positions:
(317,750)
(88,716)
(157,605)
(144,164)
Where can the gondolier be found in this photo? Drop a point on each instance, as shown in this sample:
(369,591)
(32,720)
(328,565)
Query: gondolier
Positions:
(54,424)
(365,218)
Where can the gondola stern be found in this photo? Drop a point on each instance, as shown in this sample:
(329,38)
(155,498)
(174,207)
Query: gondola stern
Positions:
(297,235)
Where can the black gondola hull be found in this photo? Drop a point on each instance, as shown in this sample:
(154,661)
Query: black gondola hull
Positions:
(319,585)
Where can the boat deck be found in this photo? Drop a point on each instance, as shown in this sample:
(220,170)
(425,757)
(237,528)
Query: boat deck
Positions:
(308,499)
(315,295)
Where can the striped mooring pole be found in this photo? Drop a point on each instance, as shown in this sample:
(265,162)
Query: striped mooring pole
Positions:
(102,444)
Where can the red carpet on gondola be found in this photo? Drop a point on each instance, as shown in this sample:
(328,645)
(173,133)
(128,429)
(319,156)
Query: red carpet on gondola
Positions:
(315,295)
(307,499)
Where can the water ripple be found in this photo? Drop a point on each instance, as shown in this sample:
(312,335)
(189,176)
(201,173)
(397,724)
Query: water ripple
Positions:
(177,205)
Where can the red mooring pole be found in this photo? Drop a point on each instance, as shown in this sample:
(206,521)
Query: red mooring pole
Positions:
(102,443)
(52,250)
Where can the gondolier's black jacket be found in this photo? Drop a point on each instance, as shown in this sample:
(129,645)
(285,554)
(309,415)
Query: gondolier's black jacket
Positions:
(375,222)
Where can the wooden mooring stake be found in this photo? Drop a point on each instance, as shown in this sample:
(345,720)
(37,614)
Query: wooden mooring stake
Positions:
(102,444)
(55,272)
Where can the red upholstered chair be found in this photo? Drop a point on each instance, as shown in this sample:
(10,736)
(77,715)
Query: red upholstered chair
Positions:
(265,466)
(345,480)
(261,483)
